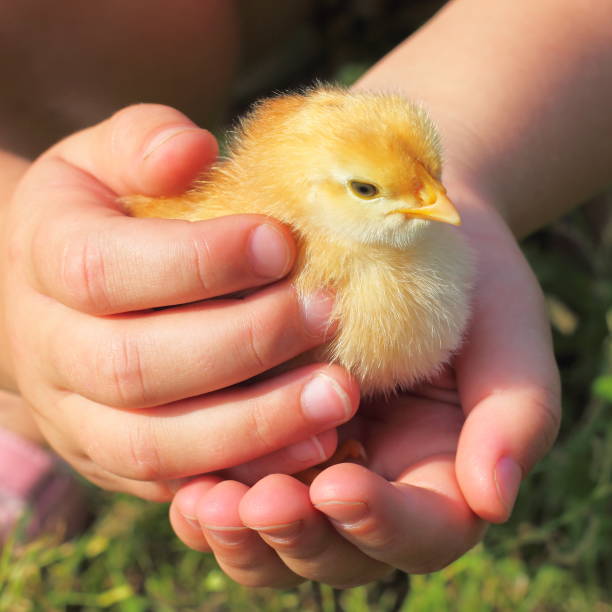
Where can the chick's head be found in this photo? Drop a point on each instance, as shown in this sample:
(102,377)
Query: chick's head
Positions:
(362,166)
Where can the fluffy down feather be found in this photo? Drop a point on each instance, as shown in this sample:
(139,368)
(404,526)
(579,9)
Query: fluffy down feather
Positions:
(401,272)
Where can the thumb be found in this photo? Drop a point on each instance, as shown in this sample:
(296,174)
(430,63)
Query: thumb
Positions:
(148,149)
(508,380)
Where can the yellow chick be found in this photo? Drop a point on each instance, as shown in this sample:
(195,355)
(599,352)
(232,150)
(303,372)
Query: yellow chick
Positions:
(357,177)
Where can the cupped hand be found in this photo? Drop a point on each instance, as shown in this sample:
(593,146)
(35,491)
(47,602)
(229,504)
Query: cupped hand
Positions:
(130,390)
(444,459)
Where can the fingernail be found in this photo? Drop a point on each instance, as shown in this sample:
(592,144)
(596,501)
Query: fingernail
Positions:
(348,514)
(508,476)
(164,136)
(283,534)
(324,401)
(307,451)
(228,536)
(191,520)
(316,311)
(269,251)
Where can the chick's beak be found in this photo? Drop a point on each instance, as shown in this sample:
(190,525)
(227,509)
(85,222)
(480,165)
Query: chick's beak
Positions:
(432,202)
(442,209)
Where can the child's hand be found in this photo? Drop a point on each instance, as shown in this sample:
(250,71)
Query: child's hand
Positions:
(443,459)
(132,395)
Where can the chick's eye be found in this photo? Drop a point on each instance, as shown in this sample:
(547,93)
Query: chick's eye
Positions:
(363,190)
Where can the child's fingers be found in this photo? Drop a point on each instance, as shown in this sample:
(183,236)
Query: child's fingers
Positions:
(153,358)
(504,435)
(508,382)
(240,552)
(288,460)
(214,432)
(183,512)
(159,491)
(83,252)
(279,509)
(419,525)
(148,149)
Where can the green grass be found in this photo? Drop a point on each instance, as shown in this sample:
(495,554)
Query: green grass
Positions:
(553,555)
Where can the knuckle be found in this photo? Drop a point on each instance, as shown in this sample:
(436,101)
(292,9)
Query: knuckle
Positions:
(120,364)
(143,452)
(202,267)
(269,331)
(137,119)
(253,347)
(122,456)
(262,428)
(83,273)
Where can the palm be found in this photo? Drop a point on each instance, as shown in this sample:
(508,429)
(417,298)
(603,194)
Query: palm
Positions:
(407,429)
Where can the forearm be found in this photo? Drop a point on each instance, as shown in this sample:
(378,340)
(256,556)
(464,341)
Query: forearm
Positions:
(521,92)
(12,168)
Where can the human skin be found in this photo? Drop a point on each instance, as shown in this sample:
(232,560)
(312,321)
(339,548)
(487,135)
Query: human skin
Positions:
(516,158)
(163,372)
(468,468)
(70,191)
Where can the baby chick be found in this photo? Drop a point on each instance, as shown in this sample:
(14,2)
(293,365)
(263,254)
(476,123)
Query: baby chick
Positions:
(357,177)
